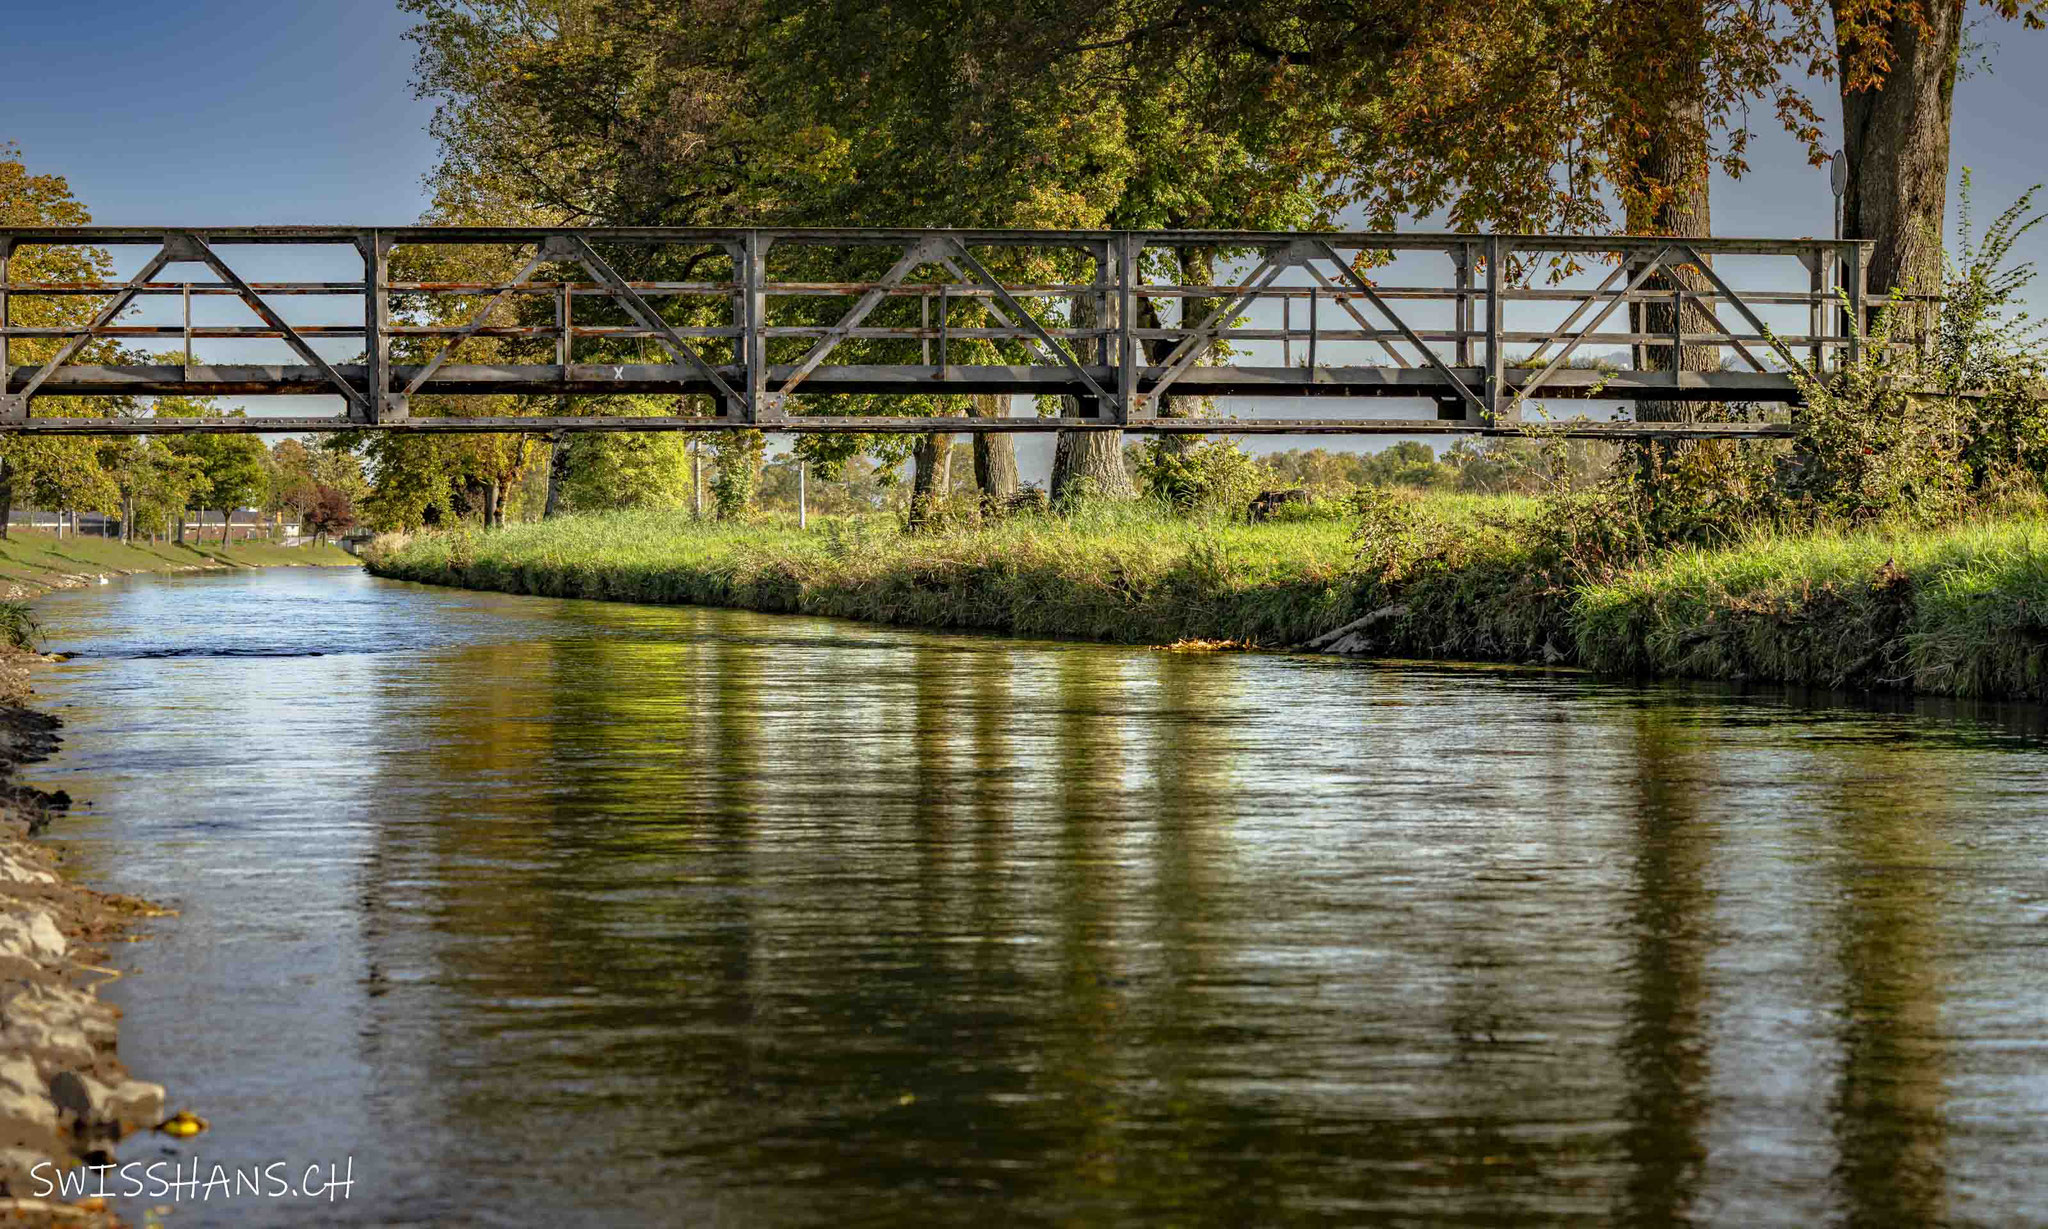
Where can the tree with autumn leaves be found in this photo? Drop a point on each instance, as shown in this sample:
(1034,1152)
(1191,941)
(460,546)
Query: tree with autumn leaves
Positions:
(1538,115)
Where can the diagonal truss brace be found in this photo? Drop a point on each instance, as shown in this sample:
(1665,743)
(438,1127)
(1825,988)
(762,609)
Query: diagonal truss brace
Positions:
(1189,351)
(192,247)
(426,372)
(995,312)
(1364,287)
(1003,295)
(922,252)
(573,247)
(1747,314)
(14,407)
(1593,326)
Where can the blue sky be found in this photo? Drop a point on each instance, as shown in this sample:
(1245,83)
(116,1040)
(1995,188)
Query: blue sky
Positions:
(216,112)
(220,112)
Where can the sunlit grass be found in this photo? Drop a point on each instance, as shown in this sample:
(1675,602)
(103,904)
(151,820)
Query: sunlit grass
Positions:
(1959,610)
(31,560)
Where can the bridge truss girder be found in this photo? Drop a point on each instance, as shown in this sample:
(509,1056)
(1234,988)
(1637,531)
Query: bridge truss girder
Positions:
(756,345)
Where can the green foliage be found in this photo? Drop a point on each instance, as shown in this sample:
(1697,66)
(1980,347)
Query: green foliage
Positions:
(1926,432)
(740,455)
(1213,475)
(1954,610)
(639,469)
(19,629)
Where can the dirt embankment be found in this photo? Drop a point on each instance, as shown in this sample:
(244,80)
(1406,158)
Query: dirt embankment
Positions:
(64,1096)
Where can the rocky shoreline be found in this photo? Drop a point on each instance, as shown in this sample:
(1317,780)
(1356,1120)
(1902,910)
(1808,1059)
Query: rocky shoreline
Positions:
(65,1099)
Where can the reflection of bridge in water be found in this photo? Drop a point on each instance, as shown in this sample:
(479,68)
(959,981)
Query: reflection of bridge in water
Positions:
(759,324)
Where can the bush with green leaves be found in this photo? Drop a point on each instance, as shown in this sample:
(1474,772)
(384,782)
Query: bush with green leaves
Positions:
(1923,431)
(1214,475)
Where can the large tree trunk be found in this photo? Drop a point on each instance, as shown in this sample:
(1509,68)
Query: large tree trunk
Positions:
(1896,134)
(558,477)
(1664,187)
(6,496)
(227,527)
(1667,194)
(931,478)
(1089,460)
(995,456)
(491,504)
(127,518)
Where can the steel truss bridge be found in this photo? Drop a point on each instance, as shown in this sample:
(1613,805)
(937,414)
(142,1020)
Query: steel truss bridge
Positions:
(758,326)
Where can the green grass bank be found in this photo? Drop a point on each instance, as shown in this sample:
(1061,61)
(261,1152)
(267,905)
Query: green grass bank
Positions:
(1960,611)
(33,562)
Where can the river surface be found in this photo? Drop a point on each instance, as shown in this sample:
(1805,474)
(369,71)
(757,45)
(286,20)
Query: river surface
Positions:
(564,913)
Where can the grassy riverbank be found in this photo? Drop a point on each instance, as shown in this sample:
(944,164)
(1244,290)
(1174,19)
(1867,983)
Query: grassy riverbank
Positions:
(33,562)
(1959,611)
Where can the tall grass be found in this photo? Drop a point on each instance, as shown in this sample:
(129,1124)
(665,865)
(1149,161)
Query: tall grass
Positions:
(1130,573)
(1959,611)
(19,629)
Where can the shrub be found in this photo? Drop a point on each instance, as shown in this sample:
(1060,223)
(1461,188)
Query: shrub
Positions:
(1214,475)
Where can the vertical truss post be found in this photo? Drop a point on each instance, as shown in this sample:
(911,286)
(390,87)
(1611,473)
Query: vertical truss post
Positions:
(1129,350)
(1497,399)
(1108,318)
(1461,264)
(755,406)
(380,404)
(1816,316)
(564,323)
(1314,305)
(1677,329)
(1856,280)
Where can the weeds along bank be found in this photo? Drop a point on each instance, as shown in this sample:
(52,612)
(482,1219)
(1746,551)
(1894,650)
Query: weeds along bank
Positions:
(1109,572)
(1959,611)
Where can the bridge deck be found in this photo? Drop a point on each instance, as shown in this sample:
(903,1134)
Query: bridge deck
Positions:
(827,330)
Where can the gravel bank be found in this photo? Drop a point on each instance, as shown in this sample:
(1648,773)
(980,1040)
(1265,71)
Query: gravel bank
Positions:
(65,1099)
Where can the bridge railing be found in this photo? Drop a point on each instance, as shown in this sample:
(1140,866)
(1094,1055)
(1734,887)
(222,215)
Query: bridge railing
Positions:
(819,329)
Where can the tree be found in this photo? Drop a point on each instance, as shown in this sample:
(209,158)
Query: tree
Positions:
(631,112)
(227,471)
(331,512)
(1897,64)
(64,471)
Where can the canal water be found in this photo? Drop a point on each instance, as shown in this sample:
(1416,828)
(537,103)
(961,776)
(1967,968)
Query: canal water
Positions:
(559,913)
